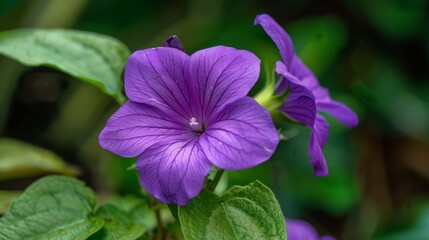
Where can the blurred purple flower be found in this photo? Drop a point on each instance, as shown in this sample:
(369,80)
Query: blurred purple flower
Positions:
(305,97)
(302,230)
(186,113)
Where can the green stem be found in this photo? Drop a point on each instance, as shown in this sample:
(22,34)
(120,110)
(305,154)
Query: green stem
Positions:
(160,227)
(211,186)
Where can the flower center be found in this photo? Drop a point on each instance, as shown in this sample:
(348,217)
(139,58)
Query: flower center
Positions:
(195,126)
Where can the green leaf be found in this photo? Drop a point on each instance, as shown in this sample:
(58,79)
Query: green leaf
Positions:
(138,208)
(125,218)
(93,58)
(118,225)
(19,159)
(54,207)
(249,212)
(174,211)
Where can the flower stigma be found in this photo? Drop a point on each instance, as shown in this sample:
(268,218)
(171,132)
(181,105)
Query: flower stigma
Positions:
(195,126)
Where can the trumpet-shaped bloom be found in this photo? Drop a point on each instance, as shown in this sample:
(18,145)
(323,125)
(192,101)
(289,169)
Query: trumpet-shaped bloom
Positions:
(186,113)
(306,97)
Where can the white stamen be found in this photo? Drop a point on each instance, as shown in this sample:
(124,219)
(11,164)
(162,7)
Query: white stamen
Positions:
(193,121)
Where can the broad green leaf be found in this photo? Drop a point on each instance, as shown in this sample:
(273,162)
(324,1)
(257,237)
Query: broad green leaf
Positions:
(118,225)
(137,208)
(93,58)
(54,207)
(19,159)
(249,212)
(125,218)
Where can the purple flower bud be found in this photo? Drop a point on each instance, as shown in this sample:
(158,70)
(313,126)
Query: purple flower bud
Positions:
(174,42)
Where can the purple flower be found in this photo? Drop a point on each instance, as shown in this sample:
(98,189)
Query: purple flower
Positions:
(302,230)
(305,97)
(186,113)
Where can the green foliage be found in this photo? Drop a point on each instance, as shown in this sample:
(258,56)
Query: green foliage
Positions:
(93,58)
(19,159)
(249,212)
(59,207)
(118,224)
(134,208)
(55,207)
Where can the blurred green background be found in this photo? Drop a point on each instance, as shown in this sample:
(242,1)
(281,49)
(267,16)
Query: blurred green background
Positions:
(371,55)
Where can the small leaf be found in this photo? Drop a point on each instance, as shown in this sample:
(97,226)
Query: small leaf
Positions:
(93,58)
(54,207)
(19,159)
(249,212)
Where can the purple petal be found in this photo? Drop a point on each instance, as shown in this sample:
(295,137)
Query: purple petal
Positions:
(340,111)
(309,80)
(281,86)
(136,126)
(305,77)
(287,76)
(327,238)
(173,172)
(319,135)
(324,101)
(156,77)
(242,136)
(279,36)
(302,72)
(174,42)
(302,230)
(300,104)
(321,127)
(286,79)
(220,76)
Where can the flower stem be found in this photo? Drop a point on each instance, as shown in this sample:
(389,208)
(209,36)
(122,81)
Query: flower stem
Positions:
(160,227)
(211,186)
